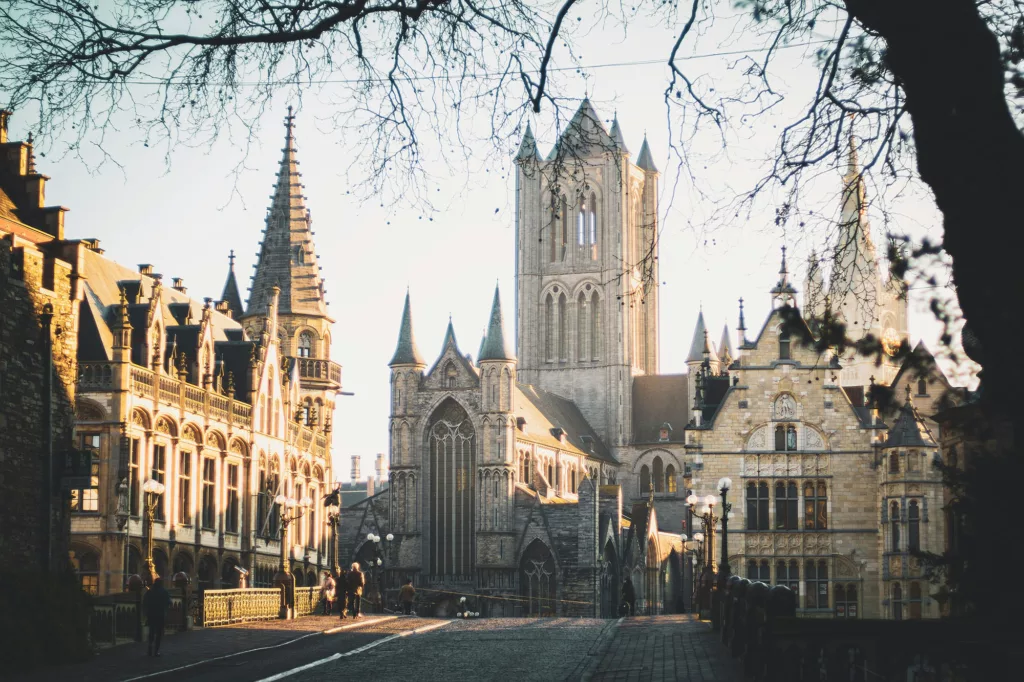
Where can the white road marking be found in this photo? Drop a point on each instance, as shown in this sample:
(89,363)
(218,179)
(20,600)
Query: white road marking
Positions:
(262,648)
(366,647)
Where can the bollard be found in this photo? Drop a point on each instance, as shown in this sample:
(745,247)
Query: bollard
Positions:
(781,603)
(757,595)
(737,623)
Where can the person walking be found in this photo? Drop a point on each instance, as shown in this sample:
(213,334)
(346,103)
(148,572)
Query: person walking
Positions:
(629,596)
(406,595)
(341,585)
(155,605)
(327,592)
(355,582)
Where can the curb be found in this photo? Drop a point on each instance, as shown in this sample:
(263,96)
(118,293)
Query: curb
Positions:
(598,650)
(358,623)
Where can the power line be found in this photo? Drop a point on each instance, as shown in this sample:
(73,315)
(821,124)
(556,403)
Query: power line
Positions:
(482,75)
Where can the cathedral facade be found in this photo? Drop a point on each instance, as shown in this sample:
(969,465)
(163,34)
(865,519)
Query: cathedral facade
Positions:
(533,480)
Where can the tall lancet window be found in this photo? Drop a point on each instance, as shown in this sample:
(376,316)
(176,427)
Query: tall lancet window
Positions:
(452,453)
(563,347)
(582,328)
(595,327)
(592,226)
(552,230)
(581,228)
(564,239)
(549,329)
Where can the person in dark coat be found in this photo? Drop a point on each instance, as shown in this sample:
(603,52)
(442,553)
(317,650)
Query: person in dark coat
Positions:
(155,605)
(341,584)
(355,582)
(629,595)
(406,596)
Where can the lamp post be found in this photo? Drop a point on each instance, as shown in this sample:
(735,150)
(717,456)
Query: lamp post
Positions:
(153,490)
(724,484)
(284,577)
(378,563)
(698,566)
(334,521)
(704,509)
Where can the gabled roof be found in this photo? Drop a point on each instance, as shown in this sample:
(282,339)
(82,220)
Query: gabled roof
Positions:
(450,341)
(583,136)
(494,346)
(287,258)
(909,431)
(921,359)
(545,412)
(644,160)
(406,352)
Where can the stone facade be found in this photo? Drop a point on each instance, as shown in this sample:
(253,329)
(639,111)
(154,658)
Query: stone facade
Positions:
(578,431)
(38,297)
(226,413)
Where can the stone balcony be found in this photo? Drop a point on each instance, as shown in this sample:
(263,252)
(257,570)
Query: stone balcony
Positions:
(318,374)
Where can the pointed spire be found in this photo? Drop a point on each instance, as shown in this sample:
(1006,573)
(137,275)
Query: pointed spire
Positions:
(230,294)
(910,430)
(725,350)
(287,256)
(644,160)
(783,293)
(616,135)
(449,337)
(743,323)
(406,352)
(495,347)
(699,342)
(528,147)
(583,136)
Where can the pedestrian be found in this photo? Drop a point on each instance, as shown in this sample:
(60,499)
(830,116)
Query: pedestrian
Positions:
(355,582)
(629,596)
(342,592)
(155,605)
(406,595)
(327,592)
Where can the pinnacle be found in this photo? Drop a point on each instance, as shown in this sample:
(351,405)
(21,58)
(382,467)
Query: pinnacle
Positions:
(494,346)
(406,352)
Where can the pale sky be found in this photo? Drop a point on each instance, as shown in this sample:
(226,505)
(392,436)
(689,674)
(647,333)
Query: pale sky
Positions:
(184,218)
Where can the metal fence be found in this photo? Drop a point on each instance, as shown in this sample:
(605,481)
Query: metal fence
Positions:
(224,607)
(307,601)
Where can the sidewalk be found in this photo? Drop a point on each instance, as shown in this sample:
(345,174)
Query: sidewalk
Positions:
(660,648)
(201,644)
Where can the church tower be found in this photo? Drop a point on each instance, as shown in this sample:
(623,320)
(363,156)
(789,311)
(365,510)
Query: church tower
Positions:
(858,295)
(288,263)
(587,270)
(407,367)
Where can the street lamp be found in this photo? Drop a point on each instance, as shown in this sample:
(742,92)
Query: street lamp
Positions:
(284,575)
(377,564)
(704,509)
(334,521)
(153,489)
(724,484)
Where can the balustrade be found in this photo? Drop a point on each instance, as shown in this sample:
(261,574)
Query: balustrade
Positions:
(169,393)
(93,375)
(195,399)
(142,382)
(240,414)
(224,607)
(219,407)
(316,370)
(307,601)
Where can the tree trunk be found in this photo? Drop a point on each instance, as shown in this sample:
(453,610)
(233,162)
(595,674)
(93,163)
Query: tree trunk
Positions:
(971,154)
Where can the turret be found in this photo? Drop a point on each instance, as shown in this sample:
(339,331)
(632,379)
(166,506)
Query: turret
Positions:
(497,365)
(230,296)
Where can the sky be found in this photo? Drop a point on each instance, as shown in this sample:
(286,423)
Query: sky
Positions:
(185,214)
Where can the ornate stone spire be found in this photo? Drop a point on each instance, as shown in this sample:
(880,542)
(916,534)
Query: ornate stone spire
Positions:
(406,352)
(697,346)
(783,293)
(230,294)
(616,135)
(528,147)
(494,346)
(287,257)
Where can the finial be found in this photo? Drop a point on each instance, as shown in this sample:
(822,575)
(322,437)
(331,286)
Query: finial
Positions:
(783,270)
(231,259)
(909,402)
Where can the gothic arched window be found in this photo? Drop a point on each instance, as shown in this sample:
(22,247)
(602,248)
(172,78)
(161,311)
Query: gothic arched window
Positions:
(913,529)
(659,475)
(553,231)
(549,328)
(305,345)
(670,479)
(780,438)
(450,375)
(922,387)
(581,226)
(815,506)
(897,602)
(452,453)
(645,480)
(791,438)
(564,243)
(894,463)
(595,326)
(563,346)
(592,226)
(581,328)
(757,506)
(784,353)
(915,601)
(785,506)
(526,469)
(894,525)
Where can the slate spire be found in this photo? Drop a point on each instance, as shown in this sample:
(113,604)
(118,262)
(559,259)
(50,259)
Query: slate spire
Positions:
(528,147)
(644,160)
(230,294)
(616,135)
(287,257)
(700,333)
(406,352)
(583,136)
(495,347)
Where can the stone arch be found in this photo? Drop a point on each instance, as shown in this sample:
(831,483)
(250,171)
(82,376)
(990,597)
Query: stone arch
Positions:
(238,447)
(141,418)
(537,580)
(451,444)
(215,439)
(88,411)
(314,339)
(206,572)
(193,433)
(228,575)
(183,562)
(166,425)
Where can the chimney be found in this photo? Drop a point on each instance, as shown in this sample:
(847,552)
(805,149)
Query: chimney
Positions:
(355,467)
(4,116)
(370,488)
(145,269)
(378,466)
(178,284)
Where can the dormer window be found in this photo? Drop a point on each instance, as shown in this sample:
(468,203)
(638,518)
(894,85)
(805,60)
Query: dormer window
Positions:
(559,433)
(922,387)
(664,433)
(521,423)
(450,375)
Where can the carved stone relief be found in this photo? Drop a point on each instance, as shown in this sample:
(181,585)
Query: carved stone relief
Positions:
(758,439)
(785,407)
(812,439)
(750,465)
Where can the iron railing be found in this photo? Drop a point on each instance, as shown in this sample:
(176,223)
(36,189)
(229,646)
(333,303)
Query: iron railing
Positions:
(224,607)
(307,601)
